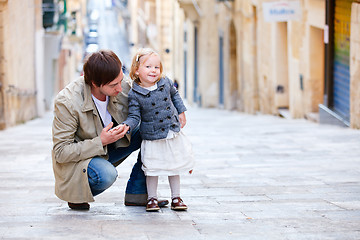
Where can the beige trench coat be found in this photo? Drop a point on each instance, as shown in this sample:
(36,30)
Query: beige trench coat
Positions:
(76,137)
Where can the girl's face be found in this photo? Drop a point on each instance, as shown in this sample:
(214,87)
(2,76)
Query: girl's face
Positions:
(149,70)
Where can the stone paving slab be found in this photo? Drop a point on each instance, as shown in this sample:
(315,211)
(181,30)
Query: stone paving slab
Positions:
(256,177)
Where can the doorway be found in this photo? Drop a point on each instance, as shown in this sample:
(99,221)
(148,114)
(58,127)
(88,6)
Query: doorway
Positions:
(221,71)
(282,75)
(233,69)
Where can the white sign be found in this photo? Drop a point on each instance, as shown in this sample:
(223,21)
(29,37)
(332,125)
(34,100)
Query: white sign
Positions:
(326,34)
(282,11)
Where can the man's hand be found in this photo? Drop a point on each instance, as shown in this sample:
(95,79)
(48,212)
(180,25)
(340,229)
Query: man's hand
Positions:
(182,119)
(109,135)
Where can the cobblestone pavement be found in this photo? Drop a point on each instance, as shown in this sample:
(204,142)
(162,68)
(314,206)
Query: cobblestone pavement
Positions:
(257,177)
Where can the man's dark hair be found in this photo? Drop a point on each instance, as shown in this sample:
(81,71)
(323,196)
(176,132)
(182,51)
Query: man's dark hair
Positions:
(101,68)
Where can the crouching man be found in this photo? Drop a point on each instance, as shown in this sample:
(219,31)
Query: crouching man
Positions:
(86,146)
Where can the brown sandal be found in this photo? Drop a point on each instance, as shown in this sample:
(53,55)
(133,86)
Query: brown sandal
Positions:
(178,204)
(152,205)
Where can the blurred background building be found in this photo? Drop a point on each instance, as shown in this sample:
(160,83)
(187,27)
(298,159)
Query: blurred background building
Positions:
(296,58)
(40,48)
(292,58)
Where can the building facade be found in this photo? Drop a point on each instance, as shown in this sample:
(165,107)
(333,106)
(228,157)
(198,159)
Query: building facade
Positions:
(296,58)
(38,55)
(17,74)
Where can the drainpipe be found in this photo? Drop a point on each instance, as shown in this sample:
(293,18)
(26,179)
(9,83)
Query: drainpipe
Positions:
(329,53)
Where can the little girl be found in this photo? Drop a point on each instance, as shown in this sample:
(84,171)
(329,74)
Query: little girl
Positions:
(156,104)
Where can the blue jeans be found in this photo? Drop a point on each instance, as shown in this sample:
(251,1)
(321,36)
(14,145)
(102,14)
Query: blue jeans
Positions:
(102,173)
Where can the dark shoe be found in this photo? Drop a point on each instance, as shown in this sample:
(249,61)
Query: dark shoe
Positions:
(79,206)
(178,204)
(152,205)
(161,203)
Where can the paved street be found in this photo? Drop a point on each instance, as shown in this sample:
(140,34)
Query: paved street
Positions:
(257,177)
(112,31)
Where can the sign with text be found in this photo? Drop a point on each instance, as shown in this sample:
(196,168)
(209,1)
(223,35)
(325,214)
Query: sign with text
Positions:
(282,11)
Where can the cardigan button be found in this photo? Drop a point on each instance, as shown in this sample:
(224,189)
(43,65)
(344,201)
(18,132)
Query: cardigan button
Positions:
(161,120)
(84,170)
(163,129)
(153,104)
(168,117)
(156,113)
(165,99)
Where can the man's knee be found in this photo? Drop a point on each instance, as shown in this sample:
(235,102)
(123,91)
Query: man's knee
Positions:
(110,177)
(102,174)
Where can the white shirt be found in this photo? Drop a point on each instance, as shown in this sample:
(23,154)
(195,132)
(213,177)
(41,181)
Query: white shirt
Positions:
(102,109)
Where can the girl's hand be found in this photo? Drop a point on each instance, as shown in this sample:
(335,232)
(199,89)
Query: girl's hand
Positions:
(182,119)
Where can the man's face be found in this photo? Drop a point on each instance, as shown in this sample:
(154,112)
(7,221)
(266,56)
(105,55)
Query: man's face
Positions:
(113,88)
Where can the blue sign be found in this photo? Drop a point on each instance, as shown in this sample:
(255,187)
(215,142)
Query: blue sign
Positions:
(282,11)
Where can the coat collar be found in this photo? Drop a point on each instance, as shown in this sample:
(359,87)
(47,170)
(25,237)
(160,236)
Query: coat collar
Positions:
(88,102)
(137,88)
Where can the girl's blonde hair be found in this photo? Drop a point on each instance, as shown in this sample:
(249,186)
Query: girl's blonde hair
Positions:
(142,53)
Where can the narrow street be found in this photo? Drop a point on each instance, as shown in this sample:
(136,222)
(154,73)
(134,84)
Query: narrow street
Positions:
(112,33)
(256,177)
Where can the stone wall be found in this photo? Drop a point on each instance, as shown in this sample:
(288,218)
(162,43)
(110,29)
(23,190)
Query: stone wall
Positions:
(355,66)
(208,55)
(18,60)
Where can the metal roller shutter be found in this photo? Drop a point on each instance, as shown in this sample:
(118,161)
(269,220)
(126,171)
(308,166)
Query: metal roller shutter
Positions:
(341,87)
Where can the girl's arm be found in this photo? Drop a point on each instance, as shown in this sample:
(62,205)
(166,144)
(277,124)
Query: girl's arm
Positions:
(176,99)
(134,117)
(182,119)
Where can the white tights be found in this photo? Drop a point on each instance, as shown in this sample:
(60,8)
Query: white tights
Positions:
(152,184)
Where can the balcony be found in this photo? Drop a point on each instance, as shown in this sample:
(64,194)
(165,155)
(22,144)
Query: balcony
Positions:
(191,9)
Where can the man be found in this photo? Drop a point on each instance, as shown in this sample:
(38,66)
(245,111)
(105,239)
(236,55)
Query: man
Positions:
(86,146)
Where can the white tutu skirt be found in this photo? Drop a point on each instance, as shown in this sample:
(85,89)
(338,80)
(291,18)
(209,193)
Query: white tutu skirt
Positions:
(167,157)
